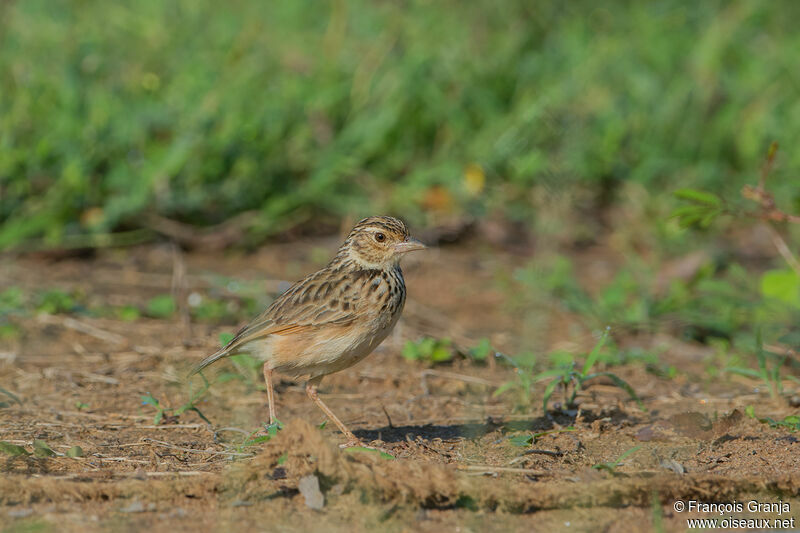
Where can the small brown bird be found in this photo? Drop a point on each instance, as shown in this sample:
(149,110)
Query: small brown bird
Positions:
(333,318)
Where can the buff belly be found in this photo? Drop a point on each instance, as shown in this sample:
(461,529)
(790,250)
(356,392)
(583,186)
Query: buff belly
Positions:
(317,352)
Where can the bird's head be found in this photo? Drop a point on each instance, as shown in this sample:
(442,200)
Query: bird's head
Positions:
(378,242)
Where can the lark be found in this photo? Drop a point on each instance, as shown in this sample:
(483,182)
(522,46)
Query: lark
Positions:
(333,318)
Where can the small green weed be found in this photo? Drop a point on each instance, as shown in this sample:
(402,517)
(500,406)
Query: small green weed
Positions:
(565,377)
(568,377)
(791,422)
(56,301)
(429,350)
(770,375)
(12,397)
(252,439)
(128,313)
(482,351)
(359,449)
(612,465)
(161,306)
(522,383)
(161,411)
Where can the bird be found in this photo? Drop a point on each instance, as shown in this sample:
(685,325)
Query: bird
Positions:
(332,318)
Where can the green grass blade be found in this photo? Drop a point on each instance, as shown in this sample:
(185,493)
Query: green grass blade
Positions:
(621,383)
(548,391)
(505,387)
(382,455)
(595,353)
(555,372)
(748,372)
(11,395)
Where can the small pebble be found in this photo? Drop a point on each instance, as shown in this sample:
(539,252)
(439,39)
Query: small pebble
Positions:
(309,488)
(241,503)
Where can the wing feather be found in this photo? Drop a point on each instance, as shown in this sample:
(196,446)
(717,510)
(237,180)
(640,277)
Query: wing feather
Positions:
(315,301)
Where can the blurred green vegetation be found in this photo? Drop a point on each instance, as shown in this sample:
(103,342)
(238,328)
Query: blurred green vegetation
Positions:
(199,110)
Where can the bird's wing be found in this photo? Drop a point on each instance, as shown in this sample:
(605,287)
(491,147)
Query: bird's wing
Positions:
(317,300)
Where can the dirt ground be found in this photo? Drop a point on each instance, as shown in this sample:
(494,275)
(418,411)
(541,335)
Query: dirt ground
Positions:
(80,381)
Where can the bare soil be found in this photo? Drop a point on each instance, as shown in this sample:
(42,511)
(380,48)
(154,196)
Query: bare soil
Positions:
(80,380)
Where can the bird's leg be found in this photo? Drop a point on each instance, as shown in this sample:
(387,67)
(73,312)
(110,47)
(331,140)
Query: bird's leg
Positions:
(311,390)
(270,394)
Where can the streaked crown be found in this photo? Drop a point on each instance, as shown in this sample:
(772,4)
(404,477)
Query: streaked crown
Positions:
(377,242)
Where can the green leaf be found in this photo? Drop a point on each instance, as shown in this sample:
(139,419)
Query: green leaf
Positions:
(554,372)
(12,449)
(75,451)
(482,350)
(698,197)
(750,411)
(148,399)
(41,449)
(521,440)
(503,388)
(782,285)
(410,351)
(592,359)
(127,313)
(548,391)
(54,302)
(621,383)
(382,454)
(283,458)
(612,465)
(323,424)
(748,372)
(162,306)
(257,440)
(11,395)
(225,338)
(273,428)
(201,415)
(440,354)
(695,215)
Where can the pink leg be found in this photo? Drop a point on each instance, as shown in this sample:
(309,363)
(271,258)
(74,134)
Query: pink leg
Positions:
(311,390)
(270,394)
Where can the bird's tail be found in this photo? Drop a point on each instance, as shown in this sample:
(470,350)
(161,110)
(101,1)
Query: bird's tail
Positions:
(224,352)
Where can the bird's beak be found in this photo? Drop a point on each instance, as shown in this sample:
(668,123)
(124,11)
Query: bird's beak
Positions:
(408,245)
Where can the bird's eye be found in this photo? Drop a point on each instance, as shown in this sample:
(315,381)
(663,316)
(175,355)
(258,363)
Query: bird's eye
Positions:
(380,237)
